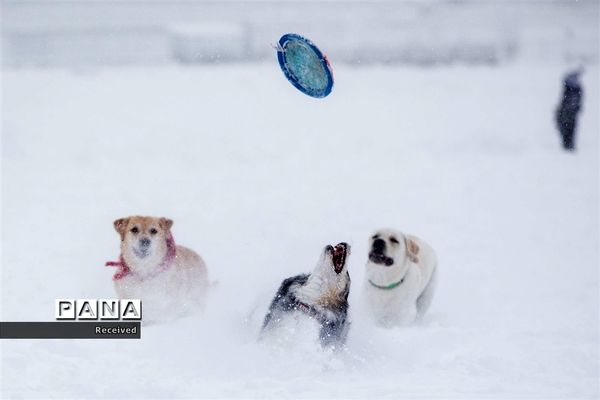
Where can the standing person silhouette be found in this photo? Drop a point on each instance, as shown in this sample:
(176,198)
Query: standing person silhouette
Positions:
(566,114)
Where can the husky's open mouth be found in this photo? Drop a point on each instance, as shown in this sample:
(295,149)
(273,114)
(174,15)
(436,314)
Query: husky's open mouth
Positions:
(338,256)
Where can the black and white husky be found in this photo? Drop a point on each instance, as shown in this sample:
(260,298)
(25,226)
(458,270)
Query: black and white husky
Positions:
(321,295)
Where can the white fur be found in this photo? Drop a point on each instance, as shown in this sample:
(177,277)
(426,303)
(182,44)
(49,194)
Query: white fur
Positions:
(177,291)
(322,280)
(408,301)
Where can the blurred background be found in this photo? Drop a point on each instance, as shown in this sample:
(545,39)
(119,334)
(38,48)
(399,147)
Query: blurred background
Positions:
(95,33)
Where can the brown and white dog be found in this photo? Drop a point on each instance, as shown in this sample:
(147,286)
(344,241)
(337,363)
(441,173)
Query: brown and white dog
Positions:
(400,278)
(170,280)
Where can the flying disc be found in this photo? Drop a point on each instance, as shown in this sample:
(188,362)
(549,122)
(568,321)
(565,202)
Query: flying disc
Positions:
(304,65)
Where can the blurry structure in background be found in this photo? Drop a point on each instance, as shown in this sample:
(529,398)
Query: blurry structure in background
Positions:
(71,33)
(210,43)
(566,114)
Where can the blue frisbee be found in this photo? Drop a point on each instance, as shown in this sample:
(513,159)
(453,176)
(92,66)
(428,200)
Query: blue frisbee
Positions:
(304,65)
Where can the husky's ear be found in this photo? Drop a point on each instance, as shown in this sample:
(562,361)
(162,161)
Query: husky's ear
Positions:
(120,226)
(412,250)
(165,223)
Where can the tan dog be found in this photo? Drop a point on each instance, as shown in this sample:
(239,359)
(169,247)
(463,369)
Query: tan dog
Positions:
(170,280)
(400,279)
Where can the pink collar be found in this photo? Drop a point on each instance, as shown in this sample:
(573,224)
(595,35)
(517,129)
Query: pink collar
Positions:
(165,264)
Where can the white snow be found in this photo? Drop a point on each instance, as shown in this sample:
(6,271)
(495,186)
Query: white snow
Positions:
(258,178)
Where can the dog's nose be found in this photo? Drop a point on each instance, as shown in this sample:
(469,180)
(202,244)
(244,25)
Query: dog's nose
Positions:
(378,244)
(145,242)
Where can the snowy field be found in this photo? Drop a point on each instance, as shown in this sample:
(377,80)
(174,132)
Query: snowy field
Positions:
(258,178)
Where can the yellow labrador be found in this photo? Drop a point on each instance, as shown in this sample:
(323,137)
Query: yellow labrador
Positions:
(170,280)
(400,277)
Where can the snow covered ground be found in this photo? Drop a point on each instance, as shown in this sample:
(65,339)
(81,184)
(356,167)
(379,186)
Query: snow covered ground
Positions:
(258,178)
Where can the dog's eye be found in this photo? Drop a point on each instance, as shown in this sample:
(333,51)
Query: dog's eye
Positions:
(394,240)
(135,229)
(375,236)
(153,231)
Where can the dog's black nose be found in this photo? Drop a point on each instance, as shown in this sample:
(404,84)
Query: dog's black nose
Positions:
(145,242)
(379,244)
